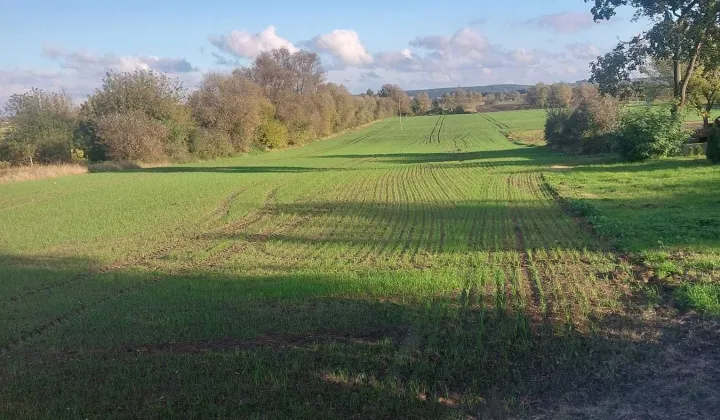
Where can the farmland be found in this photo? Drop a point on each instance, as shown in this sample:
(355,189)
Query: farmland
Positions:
(433,270)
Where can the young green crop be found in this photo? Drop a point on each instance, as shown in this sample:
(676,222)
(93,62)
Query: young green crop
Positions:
(426,272)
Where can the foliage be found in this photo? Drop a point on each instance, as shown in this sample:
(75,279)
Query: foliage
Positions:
(132,135)
(586,127)
(154,95)
(704,91)
(421,104)
(713,146)
(684,31)
(273,134)
(209,144)
(649,133)
(42,127)
(232,105)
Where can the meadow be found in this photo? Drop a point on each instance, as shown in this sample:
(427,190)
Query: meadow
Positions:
(429,270)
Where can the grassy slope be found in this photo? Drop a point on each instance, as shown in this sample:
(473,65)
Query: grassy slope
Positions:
(426,272)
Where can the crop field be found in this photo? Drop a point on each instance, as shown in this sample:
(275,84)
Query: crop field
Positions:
(433,270)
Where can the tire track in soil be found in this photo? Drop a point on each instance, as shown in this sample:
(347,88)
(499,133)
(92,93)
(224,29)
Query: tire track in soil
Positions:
(430,139)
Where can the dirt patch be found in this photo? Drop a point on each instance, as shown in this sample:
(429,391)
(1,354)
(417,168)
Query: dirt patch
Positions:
(561,167)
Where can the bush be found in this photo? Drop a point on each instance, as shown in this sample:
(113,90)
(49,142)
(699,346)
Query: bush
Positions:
(208,144)
(147,96)
(649,133)
(43,124)
(713,146)
(586,127)
(273,134)
(132,136)
(557,119)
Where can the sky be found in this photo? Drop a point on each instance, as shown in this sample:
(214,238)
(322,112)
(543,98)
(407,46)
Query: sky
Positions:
(416,44)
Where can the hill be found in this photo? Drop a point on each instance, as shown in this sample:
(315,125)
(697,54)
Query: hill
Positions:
(438,92)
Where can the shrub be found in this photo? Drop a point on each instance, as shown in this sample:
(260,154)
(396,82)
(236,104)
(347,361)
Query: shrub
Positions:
(557,119)
(209,144)
(273,134)
(155,96)
(713,146)
(586,127)
(132,136)
(649,133)
(43,124)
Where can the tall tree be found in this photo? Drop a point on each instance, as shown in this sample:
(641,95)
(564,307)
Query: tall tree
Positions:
(400,99)
(421,104)
(538,95)
(682,31)
(561,95)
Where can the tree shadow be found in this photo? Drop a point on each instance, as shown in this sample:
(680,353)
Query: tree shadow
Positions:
(198,344)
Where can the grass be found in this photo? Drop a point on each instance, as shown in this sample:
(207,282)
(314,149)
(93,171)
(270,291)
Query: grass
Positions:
(26,173)
(428,272)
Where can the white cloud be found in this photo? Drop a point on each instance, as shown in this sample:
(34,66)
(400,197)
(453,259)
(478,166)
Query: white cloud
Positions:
(584,51)
(344,45)
(465,43)
(566,22)
(86,61)
(522,55)
(80,72)
(248,45)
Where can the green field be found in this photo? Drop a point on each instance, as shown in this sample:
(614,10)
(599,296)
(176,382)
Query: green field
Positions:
(433,271)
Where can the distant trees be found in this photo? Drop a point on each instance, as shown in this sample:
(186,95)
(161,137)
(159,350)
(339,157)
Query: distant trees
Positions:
(282,98)
(538,95)
(398,97)
(421,104)
(561,95)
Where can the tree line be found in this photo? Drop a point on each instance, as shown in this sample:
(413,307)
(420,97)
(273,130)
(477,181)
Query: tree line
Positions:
(281,99)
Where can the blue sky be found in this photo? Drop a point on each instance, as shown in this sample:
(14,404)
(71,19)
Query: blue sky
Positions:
(417,44)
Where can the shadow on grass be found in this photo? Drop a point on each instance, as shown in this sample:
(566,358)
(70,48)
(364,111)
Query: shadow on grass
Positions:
(233,169)
(198,345)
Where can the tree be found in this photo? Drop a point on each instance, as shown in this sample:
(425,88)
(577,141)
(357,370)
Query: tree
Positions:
(422,104)
(704,91)
(154,94)
(561,95)
(399,98)
(538,95)
(231,104)
(369,92)
(682,31)
(42,124)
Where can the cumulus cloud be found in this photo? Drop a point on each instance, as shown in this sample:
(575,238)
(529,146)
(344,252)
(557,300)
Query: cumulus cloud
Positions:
(244,44)
(564,23)
(344,45)
(465,43)
(80,72)
(86,61)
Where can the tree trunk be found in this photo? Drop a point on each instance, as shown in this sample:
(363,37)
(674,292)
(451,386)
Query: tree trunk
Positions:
(688,74)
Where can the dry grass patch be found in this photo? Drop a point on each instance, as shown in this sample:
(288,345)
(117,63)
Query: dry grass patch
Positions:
(527,137)
(26,173)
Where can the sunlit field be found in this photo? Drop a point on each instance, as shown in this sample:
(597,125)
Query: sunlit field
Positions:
(430,270)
